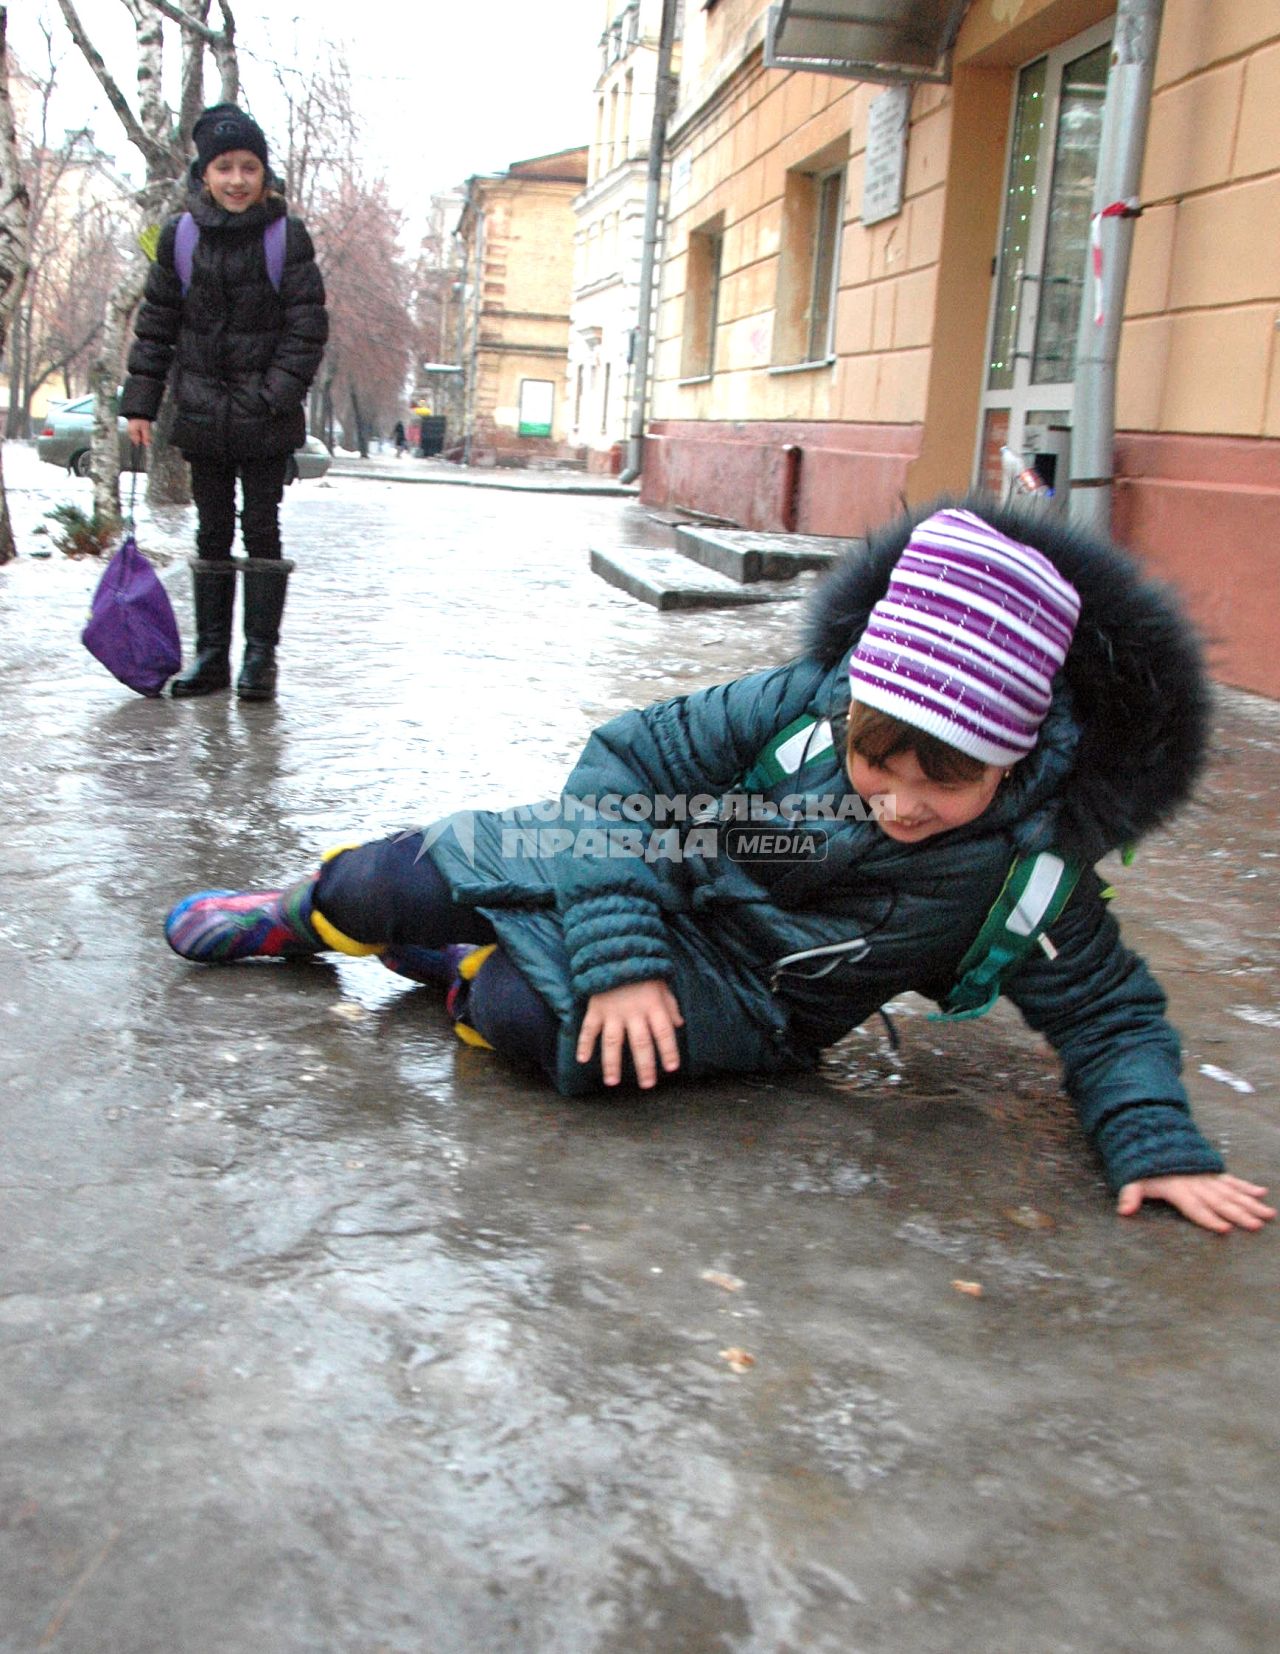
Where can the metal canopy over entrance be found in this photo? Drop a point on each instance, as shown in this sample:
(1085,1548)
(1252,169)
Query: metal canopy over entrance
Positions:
(881,40)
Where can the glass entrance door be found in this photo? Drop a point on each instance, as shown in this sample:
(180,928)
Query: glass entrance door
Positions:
(1042,256)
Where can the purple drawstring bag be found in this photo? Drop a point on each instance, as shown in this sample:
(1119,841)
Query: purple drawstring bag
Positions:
(132,628)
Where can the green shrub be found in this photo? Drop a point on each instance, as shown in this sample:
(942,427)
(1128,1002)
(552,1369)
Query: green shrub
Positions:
(81,535)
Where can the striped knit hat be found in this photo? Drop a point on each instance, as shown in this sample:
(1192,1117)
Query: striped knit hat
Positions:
(965,642)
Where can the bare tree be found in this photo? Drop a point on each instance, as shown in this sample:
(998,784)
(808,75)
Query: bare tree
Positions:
(322,133)
(75,246)
(438,277)
(371,328)
(14,212)
(372,332)
(64,317)
(162,137)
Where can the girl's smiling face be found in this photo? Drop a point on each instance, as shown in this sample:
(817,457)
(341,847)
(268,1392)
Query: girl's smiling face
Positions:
(910,806)
(236,179)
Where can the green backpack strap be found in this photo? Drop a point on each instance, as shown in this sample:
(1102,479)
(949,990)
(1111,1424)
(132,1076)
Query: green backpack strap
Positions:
(803,740)
(1035,892)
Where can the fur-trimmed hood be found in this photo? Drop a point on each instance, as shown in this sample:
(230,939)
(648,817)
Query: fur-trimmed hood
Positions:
(1134,679)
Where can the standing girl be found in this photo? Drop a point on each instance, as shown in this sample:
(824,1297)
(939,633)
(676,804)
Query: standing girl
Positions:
(234,305)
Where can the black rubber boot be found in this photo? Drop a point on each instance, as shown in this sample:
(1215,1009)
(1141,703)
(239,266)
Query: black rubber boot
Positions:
(265,581)
(214,586)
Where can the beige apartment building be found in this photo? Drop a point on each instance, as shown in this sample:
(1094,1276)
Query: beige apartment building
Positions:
(610,233)
(869,289)
(515,234)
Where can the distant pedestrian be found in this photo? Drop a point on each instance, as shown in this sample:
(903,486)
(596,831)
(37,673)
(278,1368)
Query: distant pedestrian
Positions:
(987,704)
(243,329)
(399,438)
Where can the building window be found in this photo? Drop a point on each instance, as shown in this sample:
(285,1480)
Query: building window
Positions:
(597,154)
(826,265)
(702,300)
(577,400)
(537,406)
(604,400)
(809,266)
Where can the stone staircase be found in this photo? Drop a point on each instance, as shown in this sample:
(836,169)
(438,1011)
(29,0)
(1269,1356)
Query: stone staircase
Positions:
(714,567)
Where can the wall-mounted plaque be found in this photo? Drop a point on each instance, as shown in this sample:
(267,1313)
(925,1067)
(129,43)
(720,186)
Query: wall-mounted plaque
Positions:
(886,161)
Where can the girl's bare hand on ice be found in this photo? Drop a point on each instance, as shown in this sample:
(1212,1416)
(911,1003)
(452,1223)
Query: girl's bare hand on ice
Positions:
(643,1016)
(1214,1200)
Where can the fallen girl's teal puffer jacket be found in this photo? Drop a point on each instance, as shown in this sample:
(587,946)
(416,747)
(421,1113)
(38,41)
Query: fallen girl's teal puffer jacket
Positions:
(773,959)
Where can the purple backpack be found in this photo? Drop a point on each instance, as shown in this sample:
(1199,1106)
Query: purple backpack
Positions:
(188,233)
(132,629)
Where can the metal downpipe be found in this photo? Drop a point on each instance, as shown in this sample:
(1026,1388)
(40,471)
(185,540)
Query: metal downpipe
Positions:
(649,254)
(1115,206)
(469,403)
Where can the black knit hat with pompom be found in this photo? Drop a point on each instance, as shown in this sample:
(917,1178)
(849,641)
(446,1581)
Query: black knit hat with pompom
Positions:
(224,127)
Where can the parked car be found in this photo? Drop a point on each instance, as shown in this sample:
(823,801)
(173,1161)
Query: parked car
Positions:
(67,430)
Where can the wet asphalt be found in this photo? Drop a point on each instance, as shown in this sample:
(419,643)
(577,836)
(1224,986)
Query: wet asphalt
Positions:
(320,1331)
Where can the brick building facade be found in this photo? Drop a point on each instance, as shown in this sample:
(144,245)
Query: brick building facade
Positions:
(516,238)
(816,364)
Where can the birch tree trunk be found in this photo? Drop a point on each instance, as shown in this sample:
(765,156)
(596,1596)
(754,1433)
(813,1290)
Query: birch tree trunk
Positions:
(162,138)
(14,247)
(104,380)
(167,479)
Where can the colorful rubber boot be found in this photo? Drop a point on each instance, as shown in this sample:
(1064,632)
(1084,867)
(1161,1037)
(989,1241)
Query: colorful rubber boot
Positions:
(437,967)
(217,927)
(456,999)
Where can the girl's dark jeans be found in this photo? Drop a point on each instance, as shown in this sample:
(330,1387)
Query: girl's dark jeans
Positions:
(213,487)
(388,891)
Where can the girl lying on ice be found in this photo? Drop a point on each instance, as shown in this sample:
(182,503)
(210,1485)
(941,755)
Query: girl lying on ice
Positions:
(986,704)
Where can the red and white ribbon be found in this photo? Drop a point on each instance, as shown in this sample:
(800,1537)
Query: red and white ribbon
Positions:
(1117,209)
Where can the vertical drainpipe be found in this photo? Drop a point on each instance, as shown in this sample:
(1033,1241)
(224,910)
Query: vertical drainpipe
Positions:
(649,256)
(1115,206)
(475,337)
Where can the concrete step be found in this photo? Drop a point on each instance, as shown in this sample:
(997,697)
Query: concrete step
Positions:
(669,580)
(745,556)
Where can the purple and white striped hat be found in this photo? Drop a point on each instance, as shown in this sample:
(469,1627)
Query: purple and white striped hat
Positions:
(965,642)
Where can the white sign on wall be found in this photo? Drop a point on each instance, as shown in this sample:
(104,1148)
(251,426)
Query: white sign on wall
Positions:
(886,161)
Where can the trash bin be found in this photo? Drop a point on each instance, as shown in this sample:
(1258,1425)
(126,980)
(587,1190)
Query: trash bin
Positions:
(431,435)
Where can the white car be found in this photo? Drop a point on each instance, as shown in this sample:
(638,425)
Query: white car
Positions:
(67,431)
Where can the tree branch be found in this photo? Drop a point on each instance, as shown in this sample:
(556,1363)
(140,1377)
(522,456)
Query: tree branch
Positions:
(221,42)
(224,55)
(153,153)
(44,367)
(184,20)
(191,92)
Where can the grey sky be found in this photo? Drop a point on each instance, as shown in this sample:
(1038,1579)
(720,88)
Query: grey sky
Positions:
(446,87)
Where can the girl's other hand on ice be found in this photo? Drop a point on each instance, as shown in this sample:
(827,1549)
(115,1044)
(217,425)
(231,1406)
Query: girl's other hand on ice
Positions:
(641,1016)
(1214,1200)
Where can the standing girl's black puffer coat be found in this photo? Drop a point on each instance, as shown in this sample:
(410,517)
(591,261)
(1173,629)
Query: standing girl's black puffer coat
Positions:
(242,355)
